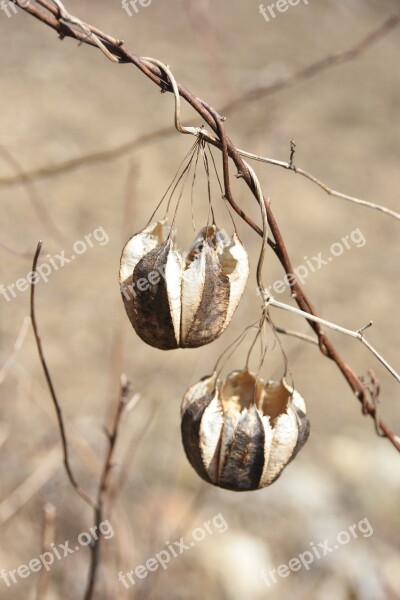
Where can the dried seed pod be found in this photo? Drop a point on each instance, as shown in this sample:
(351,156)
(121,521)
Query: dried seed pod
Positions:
(174,302)
(241,432)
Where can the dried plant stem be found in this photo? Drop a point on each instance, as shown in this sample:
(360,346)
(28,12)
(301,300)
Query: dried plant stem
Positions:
(157,76)
(104,486)
(358,335)
(99,505)
(331,60)
(330,191)
(91,159)
(250,96)
(296,334)
(60,418)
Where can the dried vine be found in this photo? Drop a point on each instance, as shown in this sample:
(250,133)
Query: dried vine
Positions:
(56,17)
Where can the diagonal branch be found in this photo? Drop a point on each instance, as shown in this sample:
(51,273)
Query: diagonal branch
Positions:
(156,74)
(263,91)
(329,61)
(330,191)
(358,335)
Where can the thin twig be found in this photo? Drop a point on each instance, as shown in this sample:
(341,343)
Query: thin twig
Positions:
(60,418)
(104,485)
(130,146)
(296,334)
(255,94)
(67,18)
(330,191)
(157,76)
(331,60)
(358,335)
(92,158)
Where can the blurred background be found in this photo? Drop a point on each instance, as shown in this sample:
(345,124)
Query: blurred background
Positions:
(61,102)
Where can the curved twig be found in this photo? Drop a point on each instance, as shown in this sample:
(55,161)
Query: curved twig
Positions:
(60,418)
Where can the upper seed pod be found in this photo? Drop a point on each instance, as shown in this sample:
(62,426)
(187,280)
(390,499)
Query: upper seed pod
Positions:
(174,302)
(240,433)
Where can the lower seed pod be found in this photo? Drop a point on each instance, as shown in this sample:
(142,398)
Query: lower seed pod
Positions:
(240,433)
(176,302)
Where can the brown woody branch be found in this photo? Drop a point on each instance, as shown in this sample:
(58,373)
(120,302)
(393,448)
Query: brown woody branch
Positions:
(116,47)
(250,96)
(104,486)
(99,505)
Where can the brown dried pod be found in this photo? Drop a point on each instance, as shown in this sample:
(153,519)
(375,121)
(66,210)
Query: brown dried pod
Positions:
(176,302)
(240,433)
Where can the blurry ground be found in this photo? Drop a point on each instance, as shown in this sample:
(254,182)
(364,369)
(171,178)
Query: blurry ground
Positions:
(60,101)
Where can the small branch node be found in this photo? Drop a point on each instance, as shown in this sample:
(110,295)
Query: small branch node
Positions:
(360,331)
(292,153)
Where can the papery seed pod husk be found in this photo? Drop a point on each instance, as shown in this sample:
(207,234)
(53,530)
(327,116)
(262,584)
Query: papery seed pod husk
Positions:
(173,302)
(240,433)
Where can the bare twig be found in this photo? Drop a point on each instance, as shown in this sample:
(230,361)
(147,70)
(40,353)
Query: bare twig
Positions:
(358,335)
(49,518)
(129,458)
(93,158)
(49,381)
(306,308)
(296,334)
(104,485)
(331,60)
(330,191)
(255,94)
(157,75)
